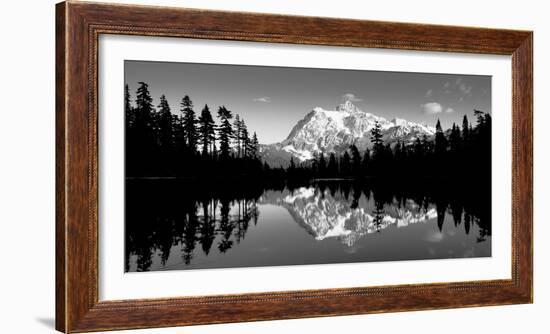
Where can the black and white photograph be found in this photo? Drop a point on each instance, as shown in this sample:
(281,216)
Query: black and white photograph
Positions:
(250,166)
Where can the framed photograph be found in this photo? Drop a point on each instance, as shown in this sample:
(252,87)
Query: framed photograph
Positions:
(222,167)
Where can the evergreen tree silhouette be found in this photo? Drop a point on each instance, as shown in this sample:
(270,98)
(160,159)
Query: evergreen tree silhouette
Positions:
(480,116)
(165,125)
(237,133)
(144,109)
(254,146)
(365,164)
(418,148)
(130,135)
(292,165)
(440,140)
(144,141)
(345,164)
(180,147)
(189,122)
(356,160)
(376,139)
(225,131)
(377,148)
(206,130)
(128,110)
(397,154)
(455,138)
(427,145)
(465,129)
(244,139)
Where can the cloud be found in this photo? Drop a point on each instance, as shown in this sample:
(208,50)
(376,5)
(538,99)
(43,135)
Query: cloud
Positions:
(458,88)
(449,110)
(351,97)
(431,108)
(429,93)
(465,89)
(263,99)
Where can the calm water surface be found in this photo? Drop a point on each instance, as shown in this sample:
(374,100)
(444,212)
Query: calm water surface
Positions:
(173,225)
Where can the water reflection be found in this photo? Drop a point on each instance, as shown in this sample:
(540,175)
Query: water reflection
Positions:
(179,225)
(325,215)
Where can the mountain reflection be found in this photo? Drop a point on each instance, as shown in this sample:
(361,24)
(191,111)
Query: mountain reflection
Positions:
(326,214)
(175,224)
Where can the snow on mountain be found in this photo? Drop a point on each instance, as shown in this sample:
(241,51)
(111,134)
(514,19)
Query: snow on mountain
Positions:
(335,130)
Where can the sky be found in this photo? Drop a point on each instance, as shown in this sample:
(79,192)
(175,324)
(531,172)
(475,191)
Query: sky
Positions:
(272,100)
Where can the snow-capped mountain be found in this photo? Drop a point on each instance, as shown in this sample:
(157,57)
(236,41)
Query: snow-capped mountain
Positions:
(324,216)
(335,130)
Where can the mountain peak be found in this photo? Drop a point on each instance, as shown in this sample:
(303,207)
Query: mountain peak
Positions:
(347,106)
(335,130)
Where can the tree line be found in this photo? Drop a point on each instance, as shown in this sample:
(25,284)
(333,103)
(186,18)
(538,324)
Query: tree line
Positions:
(160,143)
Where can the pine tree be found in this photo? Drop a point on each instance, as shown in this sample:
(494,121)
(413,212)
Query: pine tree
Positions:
(206,130)
(244,139)
(128,110)
(397,153)
(427,146)
(141,140)
(417,147)
(488,120)
(225,131)
(254,146)
(165,124)
(403,151)
(237,133)
(440,140)
(292,165)
(465,129)
(188,123)
(376,139)
(144,108)
(356,160)
(130,135)
(480,116)
(345,164)
(455,138)
(179,135)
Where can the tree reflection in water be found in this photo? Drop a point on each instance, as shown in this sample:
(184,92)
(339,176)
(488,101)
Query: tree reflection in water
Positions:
(163,216)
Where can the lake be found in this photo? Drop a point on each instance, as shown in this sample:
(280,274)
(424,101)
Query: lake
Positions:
(180,225)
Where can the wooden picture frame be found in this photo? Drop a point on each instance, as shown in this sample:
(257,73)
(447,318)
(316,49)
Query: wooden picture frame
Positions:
(78,26)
